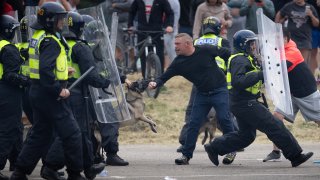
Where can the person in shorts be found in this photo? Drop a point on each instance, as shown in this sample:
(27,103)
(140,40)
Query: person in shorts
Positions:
(304,93)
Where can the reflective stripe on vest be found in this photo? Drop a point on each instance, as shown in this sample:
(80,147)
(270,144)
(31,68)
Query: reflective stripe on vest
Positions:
(213,40)
(61,69)
(24,69)
(77,74)
(37,36)
(255,89)
(2,44)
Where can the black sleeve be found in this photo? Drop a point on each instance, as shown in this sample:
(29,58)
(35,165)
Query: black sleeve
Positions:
(49,51)
(240,79)
(169,14)
(82,55)
(222,52)
(132,13)
(11,61)
(226,44)
(169,73)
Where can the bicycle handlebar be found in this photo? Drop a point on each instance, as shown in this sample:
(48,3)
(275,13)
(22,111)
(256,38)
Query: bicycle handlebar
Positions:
(143,31)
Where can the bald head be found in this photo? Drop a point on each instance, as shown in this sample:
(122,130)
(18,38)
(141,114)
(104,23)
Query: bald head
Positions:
(184,44)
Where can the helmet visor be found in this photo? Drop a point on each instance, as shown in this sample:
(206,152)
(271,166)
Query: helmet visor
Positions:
(61,23)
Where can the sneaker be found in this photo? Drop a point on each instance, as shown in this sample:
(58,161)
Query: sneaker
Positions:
(183,160)
(95,169)
(301,159)
(3,177)
(213,156)
(229,158)
(115,160)
(179,150)
(273,156)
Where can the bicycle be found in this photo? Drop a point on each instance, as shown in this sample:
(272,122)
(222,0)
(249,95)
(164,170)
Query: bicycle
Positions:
(153,64)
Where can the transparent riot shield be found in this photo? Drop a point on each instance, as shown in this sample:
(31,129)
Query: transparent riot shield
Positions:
(114,32)
(31,16)
(109,104)
(274,63)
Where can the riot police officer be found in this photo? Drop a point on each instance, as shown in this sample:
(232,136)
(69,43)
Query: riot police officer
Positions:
(11,85)
(80,57)
(244,80)
(48,93)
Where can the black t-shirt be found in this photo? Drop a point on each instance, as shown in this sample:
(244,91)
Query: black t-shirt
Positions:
(299,23)
(301,80)
(200,68)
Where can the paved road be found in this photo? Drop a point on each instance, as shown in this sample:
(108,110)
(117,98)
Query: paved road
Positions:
(153,162)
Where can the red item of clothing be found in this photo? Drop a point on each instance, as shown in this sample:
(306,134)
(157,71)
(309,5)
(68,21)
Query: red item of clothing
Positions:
(293,54)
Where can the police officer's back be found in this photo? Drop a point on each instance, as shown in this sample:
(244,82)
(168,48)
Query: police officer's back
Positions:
(11,84)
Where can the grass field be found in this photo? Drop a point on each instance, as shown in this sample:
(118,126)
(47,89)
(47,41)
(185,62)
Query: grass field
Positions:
(168,112)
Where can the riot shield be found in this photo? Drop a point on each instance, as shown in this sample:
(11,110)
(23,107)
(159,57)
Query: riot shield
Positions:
(109,104)
(274,63)
(114,32)
(30,15)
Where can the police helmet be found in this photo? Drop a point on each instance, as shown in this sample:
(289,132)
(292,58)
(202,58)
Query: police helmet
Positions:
(87,18)
(242,40)
(8,26)
(75,25)
(94,30)
(211,25)
(49,15)
(25,22)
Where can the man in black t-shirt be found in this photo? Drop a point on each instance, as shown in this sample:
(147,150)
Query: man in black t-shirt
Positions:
(196,64)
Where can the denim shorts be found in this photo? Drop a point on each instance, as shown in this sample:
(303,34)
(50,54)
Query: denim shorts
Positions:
(315,38)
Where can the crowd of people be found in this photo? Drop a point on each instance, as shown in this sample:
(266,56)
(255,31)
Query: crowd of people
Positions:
(211,43)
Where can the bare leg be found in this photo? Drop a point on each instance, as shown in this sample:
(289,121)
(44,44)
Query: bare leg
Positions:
(306,53)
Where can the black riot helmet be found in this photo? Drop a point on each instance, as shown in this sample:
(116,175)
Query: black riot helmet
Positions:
(50,17)
(242,41)
(8,27)
(87,18)
(75,25)
(25,23)
(211,25)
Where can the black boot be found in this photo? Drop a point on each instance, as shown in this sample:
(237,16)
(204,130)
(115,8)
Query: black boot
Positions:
(51,174)
(115,160)
(95,169)
(3,177)
(18,175)
(75,176)
(301,159)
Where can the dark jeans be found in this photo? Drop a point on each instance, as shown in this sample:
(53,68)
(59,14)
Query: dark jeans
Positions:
(50,114)
(183,132)
(185,29)
(203,102)
(252,116)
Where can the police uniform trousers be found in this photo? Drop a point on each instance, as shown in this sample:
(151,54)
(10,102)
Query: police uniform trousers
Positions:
(10,123)
(51,115)
(252,116)
(109,134)
(55,158)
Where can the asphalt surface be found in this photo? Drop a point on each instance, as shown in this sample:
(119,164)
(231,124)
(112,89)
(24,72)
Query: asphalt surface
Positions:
(152,162)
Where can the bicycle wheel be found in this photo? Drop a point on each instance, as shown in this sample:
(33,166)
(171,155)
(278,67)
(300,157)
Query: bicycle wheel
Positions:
(153,71)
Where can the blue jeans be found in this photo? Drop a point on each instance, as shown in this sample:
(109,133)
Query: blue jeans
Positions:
(219,100)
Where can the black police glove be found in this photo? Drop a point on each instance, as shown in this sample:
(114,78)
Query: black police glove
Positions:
(123,79)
